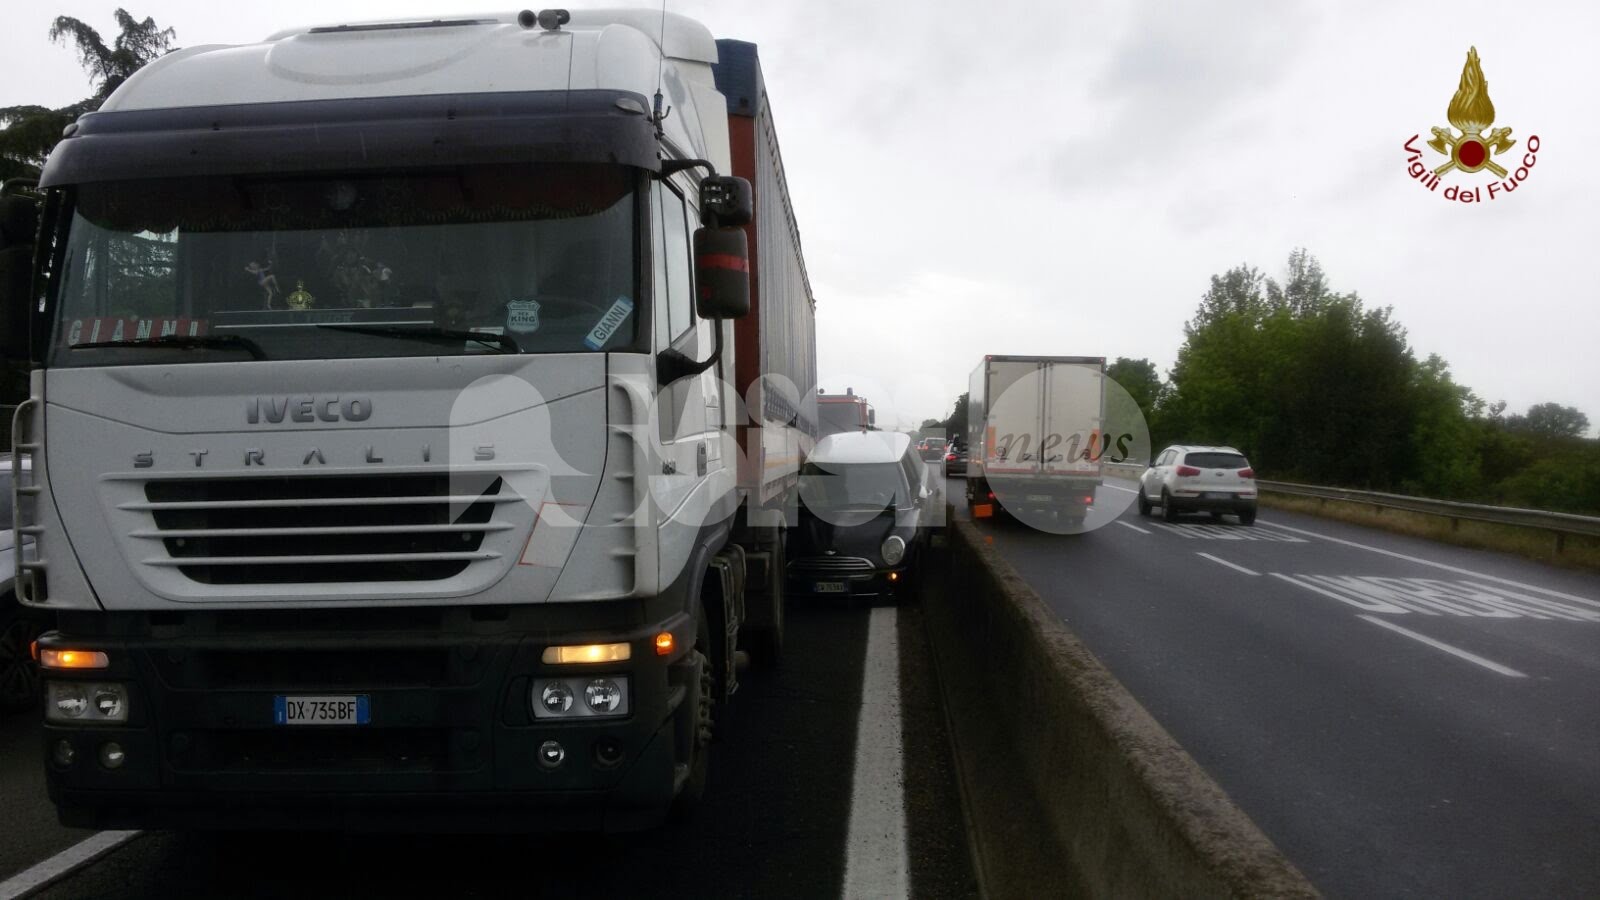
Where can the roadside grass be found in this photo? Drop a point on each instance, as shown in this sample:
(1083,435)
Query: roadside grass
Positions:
(1577,552)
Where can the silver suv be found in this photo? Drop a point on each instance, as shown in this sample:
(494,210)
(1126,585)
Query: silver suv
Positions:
(1216,480)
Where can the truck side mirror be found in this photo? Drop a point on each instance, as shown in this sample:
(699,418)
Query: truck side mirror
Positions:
(722,273)
(19,221)
(726,200)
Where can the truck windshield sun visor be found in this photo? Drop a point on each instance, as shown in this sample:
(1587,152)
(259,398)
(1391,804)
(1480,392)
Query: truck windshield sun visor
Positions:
(594,126)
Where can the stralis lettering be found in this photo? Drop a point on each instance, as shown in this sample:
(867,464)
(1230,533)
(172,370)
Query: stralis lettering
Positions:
(273,410)
(308,456)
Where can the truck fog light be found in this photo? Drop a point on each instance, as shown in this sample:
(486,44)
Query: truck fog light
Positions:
(551,753)
(607,752)
(603,695)
(67,701)
(63,754)
(110,702)
(894,549)
(111,755)
(556,697)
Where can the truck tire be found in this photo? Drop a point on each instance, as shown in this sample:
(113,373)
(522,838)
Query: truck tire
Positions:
(694,787)
(19,675)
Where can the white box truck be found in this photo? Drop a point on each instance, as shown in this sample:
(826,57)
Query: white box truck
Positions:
(388,461)
(1035,436)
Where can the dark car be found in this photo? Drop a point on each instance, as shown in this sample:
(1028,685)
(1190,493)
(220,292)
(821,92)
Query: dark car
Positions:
(866,510)
(931,448)
(955,460)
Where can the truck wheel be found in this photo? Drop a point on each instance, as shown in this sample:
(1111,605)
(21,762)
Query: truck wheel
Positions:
(19,676)
(1168,512)
(766,643)
(694,787)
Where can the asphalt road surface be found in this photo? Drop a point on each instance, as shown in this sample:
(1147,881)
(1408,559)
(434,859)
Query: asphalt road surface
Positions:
(814,786)
(1403,718)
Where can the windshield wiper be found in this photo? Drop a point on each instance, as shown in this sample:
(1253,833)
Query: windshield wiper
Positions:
(429,333)
(186,342)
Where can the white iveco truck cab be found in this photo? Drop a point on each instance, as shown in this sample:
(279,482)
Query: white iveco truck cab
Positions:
(403,433)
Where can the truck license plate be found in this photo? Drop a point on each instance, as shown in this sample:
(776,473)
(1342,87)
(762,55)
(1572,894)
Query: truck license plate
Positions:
(830,587)
(321,709)
(1045,498)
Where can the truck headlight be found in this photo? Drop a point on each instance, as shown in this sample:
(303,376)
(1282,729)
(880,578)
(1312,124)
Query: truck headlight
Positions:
(75,701)
(893,549)
(556,698)
(603,695)
(67,701)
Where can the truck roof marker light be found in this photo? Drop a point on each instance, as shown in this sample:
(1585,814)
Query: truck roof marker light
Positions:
(579,654)
(51,658)
(664,644)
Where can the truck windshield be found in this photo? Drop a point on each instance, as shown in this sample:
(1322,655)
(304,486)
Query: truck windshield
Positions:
(538,258)
(840,416)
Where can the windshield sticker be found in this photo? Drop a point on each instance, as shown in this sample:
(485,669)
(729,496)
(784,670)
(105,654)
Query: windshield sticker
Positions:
(609,323)
(110,328)
(522,316)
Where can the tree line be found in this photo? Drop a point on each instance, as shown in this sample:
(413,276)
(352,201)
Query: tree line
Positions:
(1317,386)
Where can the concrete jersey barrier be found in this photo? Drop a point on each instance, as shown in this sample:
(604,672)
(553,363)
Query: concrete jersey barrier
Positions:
(1073,788)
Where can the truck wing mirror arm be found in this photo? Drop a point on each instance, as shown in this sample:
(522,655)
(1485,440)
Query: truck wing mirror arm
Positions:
(672,364)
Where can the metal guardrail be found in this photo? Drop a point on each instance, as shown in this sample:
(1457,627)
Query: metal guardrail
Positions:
(1555,522)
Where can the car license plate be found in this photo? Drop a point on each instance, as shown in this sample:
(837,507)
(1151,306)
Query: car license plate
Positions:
(322,709)
(1218,495)
(830,587)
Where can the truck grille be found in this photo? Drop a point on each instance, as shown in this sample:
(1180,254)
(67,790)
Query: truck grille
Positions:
(309,529)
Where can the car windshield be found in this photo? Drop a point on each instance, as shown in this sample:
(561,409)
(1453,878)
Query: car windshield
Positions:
(852,486)
(1216,460)
(540,254)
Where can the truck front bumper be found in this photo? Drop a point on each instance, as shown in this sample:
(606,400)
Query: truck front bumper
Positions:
(451,741)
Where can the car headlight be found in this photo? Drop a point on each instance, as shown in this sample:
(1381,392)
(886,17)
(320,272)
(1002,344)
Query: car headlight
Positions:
(894,549)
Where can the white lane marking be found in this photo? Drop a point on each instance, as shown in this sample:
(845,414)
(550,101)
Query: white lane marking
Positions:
(80,854)
(1233,566)
(1122,489)
(1433,597)
(1226,533)
(1441,645)
(876,860)
(1133,526)
(1436,565)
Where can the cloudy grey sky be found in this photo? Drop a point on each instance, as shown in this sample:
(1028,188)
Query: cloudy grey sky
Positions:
(1064,177)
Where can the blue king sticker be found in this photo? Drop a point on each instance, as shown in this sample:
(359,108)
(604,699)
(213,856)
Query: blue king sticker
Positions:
(609,323)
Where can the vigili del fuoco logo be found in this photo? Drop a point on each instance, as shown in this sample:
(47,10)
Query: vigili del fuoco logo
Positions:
(1472,151)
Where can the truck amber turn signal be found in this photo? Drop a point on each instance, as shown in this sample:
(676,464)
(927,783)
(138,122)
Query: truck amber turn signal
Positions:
(587,653)
(664,644)
(50,658)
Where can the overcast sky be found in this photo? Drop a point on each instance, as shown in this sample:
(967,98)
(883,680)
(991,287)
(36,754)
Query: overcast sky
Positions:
(1064,178)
